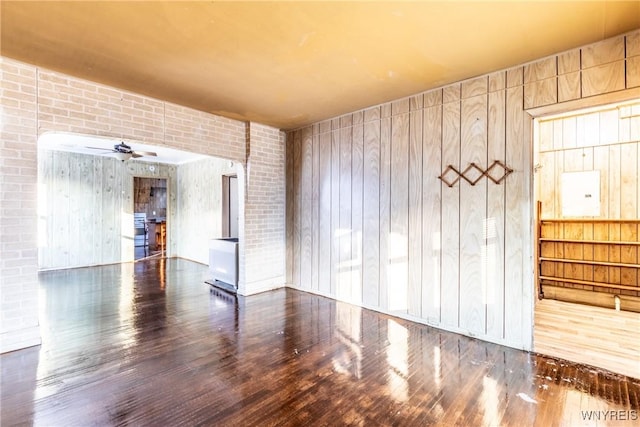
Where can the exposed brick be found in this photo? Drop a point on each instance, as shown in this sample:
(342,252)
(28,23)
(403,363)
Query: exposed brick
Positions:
(66,104)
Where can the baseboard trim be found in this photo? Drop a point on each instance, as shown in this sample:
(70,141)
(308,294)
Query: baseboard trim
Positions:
(19,339)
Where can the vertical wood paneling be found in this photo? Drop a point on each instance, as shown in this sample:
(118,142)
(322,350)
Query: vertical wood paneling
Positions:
(546,177)
(473,219)
(198,186)
(315,195)
(431,213)
(357,195)
(541,92)
(108,227)
(614,193)
(98,214)
(88,254)
(385,208)
(415,212)
(399,219)
(344,270)
(569,61)
(306,215)
(545,167)
(603,52)
(324,216)
(633,72)
(609,125)
(335,205)
(569,86)
(497,81)
(573,162)
(371,212)
(297,191)
(407,243)
(45,196)
(119,177)
(474,87)
(119,237)
(569,76)
(600,231)
(514,222)
(128,246)
(540,70)
(76,205)
(88,209)
(60,222)
(637,122)
(628,181)
(603,78)
(569,132)
(46,226)
(495,218)
(451,217)
(614,253)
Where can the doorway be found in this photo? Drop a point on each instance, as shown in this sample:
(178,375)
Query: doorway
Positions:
(587,189)
(149,217)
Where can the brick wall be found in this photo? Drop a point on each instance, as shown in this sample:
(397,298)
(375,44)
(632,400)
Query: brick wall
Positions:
(35,101)
(264,210)
(18,199)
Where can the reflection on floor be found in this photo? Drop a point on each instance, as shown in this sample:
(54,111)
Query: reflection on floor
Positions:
(149,343)
(141,252)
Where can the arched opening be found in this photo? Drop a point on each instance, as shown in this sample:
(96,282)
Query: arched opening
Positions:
(88,201)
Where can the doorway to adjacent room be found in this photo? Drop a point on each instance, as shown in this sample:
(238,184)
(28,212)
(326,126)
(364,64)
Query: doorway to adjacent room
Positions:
(150,216)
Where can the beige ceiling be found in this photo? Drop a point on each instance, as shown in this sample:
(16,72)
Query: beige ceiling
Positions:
(288,64)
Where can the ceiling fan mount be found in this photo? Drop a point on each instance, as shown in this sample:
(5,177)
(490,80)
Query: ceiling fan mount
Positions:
(123,148)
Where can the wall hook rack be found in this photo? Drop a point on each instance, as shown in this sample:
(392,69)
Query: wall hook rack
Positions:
(474,178)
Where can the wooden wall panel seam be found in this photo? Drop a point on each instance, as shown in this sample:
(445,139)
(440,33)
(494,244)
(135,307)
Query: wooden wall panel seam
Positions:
(357,197)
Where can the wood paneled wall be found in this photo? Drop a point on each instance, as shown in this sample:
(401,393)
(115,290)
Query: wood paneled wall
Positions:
(199,189)
(369,221)
(79,209)
(86,208)
(372,224)
(607,140)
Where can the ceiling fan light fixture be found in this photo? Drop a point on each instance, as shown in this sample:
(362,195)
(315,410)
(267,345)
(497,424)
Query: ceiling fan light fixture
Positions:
(122,156)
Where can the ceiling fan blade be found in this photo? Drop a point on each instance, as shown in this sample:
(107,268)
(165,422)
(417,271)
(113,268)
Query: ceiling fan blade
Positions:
(100,148)
(146,153)
(136,155)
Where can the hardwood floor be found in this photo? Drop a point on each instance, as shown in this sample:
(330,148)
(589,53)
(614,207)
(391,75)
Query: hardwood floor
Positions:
(149,344)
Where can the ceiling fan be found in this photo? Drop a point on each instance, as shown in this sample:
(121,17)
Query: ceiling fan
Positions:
(124,152)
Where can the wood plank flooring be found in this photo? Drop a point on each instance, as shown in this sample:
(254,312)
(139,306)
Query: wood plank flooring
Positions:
(149,344)
(588,334)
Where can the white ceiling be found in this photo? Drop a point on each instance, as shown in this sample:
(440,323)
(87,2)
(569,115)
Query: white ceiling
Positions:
(291,63)
(80,143)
